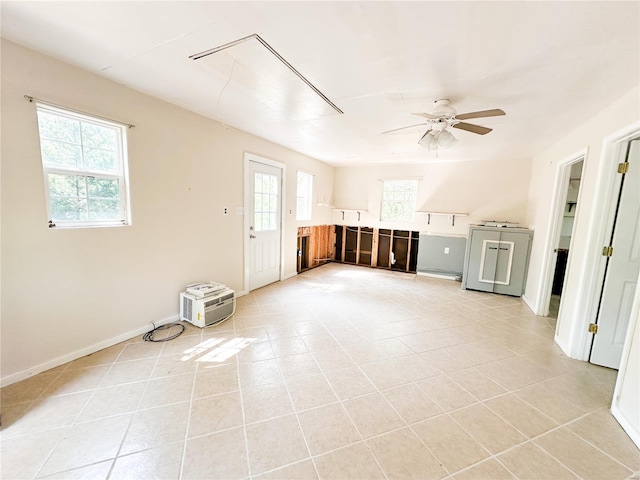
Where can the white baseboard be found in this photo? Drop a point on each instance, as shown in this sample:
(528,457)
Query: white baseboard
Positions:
(291,275)
(61,360)
(436,275)
(564,347)
(529,304)
(624,423)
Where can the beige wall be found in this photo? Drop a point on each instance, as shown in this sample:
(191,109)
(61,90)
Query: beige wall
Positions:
(578,296)
(66,292)
(581,291)
(491,190)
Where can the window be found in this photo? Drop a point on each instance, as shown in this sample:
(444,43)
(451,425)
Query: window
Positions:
(265,206)
(84,164)
(303,196)
(398,200)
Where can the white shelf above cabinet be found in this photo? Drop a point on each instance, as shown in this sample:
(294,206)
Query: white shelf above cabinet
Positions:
(452,216)
(357,210)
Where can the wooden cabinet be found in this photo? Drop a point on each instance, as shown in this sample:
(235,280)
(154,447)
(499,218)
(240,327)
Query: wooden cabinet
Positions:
(372,247)
(315,246)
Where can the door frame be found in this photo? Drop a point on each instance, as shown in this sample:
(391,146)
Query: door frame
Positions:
(248,158)
(558,206)
(600,221)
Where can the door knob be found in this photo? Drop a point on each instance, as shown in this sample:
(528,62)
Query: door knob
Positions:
(252,236)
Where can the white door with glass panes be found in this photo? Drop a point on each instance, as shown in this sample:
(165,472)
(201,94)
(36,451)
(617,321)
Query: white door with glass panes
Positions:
(264,224)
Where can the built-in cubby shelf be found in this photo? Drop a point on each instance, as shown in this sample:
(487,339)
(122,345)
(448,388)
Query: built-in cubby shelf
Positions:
(452,216)
(373,247)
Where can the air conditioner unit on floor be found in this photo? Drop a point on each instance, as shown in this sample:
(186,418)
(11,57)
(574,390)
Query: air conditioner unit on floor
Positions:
(209,310)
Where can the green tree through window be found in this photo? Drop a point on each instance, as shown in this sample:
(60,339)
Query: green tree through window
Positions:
(398,200)
(84,163)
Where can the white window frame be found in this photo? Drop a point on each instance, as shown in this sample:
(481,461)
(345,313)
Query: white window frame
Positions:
(122,176)
(307,214)
(273,208)
(411,203)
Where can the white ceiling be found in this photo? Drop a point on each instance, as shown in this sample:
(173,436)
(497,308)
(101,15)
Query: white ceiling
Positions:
(548,65)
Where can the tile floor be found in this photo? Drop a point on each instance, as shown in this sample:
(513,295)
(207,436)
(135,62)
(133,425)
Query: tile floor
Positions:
(341,372)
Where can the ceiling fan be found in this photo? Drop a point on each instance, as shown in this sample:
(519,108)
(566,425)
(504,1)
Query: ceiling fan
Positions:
(442,116)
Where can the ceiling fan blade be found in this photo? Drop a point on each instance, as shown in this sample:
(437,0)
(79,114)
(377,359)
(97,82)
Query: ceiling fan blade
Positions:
(472,128)
(402,128)
(428,115)
(428,142)
(496,112)
(423,136)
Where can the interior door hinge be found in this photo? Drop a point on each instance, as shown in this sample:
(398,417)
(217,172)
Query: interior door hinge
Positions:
(607,251)
(593,328)
(623,167)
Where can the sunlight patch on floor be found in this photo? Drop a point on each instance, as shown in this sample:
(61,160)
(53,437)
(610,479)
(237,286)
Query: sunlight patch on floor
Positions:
(216,349)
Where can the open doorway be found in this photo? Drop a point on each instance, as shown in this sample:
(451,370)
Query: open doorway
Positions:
(563,244)
(564,212)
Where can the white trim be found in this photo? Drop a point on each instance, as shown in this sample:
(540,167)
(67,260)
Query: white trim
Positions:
(437,275)
(632,430)
(291,275)
(592,275)
(61,360)
(403,202)
(634,435)
(527,301)
(122,175)
(485,247)
(419,178)
(250,157)
(564,346)
(540,305)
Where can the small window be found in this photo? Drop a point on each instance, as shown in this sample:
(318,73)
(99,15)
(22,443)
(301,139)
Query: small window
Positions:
(265,204)
(398,200)
(85,169)
(303,196)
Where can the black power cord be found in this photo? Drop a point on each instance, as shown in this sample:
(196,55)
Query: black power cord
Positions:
(148,337)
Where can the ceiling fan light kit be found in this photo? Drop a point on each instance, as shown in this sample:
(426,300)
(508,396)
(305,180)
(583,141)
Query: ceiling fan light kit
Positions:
(434,139)
(446,138)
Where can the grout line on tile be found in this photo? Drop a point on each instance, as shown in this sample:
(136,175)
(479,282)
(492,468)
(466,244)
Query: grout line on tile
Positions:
(552,454)
(244,418)
(350,418)
(588,442)
(135,411)
(392,407)
(297,462)
(44,462)
(112,460)
(304,438)
(186,433)
(326,317)
(575,420)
